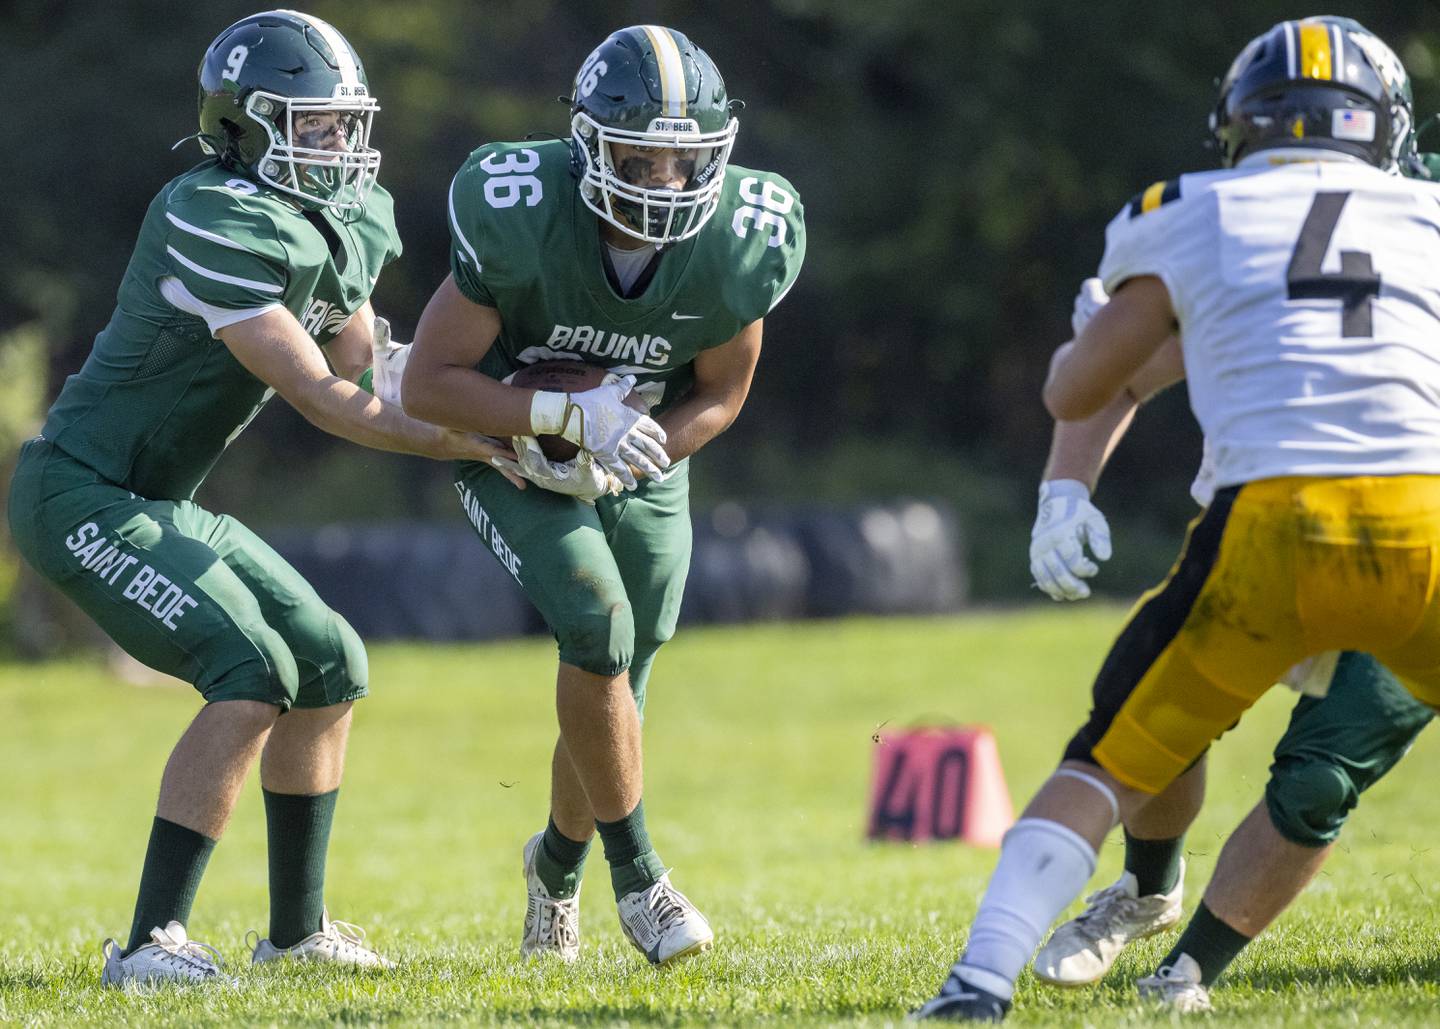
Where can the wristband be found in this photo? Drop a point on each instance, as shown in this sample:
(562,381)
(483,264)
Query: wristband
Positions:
(1050,489)
(547,412)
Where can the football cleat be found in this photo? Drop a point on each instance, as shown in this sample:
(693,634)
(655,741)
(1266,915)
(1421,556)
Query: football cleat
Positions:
(663,924)
(170,956)
(336,943)
(1082,950)
(1177,986)
(552,925)
(958,1001)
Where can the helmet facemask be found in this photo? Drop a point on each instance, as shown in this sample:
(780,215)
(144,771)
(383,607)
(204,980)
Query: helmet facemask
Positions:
(297,162)
(659,216)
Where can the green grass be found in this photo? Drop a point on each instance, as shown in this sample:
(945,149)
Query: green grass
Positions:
(758,758)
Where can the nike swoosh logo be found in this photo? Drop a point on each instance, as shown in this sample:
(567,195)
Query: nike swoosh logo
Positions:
(685,317)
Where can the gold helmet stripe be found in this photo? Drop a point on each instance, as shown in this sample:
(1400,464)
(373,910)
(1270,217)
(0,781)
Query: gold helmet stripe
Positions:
(1316,55)
(672,70)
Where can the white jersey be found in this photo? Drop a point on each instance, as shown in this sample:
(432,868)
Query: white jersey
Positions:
(1308,300)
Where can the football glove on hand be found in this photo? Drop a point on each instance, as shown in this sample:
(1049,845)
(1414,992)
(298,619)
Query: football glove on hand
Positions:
(387,364)
(1088,301)
(598,421)
(580,478)
(1065,523)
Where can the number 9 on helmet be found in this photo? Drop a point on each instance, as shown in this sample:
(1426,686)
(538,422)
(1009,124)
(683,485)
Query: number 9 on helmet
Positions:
(284,99)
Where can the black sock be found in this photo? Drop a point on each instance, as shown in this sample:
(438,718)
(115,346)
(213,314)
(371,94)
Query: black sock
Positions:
(559,862)
(298,829)
(1210,943)
(174,863)
(1155,864)
(634,865)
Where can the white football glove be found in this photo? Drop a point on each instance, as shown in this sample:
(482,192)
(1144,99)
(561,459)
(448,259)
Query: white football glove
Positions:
(580,478)
(1088,301)
(1065,523)
(387,363)
(597,420)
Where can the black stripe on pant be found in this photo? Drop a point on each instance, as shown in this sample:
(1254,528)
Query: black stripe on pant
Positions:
(1153,627)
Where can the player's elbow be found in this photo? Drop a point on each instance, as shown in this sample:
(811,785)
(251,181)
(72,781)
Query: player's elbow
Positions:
(1067,403)
(413,393)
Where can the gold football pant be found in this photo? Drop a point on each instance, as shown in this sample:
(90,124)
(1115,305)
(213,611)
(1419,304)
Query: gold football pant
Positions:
(1271,572)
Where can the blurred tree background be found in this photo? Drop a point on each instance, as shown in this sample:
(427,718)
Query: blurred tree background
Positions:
(958,162)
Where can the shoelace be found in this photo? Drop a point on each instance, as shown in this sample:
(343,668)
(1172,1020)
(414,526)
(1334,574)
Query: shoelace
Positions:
(667,907)
(557,919)
(347,935)
(1104,908)
(562,924)
(192,954)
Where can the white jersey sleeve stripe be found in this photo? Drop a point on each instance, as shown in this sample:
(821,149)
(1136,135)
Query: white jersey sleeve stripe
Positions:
(234,280)
(455,226)
(195,230)
(175,293)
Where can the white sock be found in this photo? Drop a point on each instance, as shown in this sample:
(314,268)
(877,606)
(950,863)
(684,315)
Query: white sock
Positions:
(1043,867)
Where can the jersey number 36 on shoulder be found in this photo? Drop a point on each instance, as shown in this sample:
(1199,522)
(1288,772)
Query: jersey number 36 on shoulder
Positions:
(1354,285)
(769,203)
(509,181)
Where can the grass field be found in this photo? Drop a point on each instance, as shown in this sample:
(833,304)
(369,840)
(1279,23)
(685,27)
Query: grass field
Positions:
(758,758)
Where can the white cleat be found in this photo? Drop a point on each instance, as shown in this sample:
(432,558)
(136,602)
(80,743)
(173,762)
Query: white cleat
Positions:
(1177,986)
(663,924)
(1082,950)
(171,956)
(552,926)
(336,943)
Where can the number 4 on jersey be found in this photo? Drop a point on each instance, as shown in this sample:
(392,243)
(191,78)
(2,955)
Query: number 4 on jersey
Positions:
(1355,284)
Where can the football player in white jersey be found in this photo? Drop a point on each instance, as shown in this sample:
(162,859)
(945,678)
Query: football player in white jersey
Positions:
(1351,725)
(1302,284)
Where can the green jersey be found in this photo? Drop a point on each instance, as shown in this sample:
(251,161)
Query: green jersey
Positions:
(160,397)
(523,242)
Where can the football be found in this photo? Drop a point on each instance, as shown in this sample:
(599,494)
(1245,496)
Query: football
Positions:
(567,377)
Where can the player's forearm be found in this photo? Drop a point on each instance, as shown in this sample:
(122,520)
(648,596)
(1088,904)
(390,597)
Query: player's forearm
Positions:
(1079,449)
(1113,347)
(464,399)
(695,421)
(343,409)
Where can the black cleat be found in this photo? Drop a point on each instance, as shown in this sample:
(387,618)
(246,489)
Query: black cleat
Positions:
(958,1001)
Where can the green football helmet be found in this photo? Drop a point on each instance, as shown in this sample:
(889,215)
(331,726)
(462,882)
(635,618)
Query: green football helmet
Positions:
(1323,83)
(260,79)
(649,86)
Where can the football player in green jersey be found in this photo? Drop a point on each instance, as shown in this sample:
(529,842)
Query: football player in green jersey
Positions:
(251,276)
(637,246)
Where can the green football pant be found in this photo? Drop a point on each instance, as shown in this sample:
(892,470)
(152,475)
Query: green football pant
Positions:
(1338,746)
(607,579)
(189,593)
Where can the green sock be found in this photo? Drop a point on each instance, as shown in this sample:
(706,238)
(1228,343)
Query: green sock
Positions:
(559,862)
(298,828)
(634,865)
(1210,942)
(1155,864)
(174,862)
